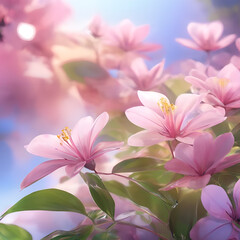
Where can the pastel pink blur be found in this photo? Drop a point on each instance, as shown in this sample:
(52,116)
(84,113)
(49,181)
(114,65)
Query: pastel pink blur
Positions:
(206,36)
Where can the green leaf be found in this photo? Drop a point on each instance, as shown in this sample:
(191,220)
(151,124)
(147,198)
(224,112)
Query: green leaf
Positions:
(116,188)
(82,233)
(236,134)
(97,214)
(153,201)
(136,165)
(221,128)
(105,236)
(100,194)
(13,232)
(79,70)
(185,215)
(48,200)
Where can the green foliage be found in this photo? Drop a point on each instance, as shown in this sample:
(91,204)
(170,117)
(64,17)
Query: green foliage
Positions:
(79,70)
(105,236)
(184,216)
(49,200)
(82,233)
(236,134)
(100,194)
(13,232)
(135,165)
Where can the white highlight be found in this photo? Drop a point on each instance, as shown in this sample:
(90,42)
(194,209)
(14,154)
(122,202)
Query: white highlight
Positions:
(26,31)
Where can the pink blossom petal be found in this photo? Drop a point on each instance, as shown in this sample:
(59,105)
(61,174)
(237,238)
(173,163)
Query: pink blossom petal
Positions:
(139,67)
(147,138)
(145,118)
(224,42)
(203,155)
(223,145)
(148,47)
(193,182)
(74,169)
(210,228)
(157,70)
(180,166)
(238,43)
(188,43)
(200,74)
(47,145)
(185,107)
(80,135)
(104,147)
(196,82)
(204,120)
(216,202)
(215,31)
(236,197)
(184,152)
(97,127)
(226,163)
(198,32)
(189,138)
(235,104)
(141,32)
(150,99)
(229,72)
(43,170)
(235,60)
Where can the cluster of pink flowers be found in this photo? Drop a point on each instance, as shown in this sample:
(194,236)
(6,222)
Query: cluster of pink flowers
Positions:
(184,123)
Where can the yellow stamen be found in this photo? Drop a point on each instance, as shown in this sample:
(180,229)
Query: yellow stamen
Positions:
(223,82)
(165,106)
(65,135)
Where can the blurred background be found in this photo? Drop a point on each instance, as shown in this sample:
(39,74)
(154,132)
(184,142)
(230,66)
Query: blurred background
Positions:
(38,36)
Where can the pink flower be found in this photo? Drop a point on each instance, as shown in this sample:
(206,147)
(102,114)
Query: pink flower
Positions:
(165,122)
(236,59)
(72,149)
(140,78)
(97,27)
(223,220)
(130,38)
(198,162)
(222,90)
(206,36)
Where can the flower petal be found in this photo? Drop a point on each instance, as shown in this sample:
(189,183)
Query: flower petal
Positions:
(81,136)
(74,169)
(203,154)
(193,182)
(150,99)
(210,228)
(227,162)
(146,138)
(224,42)
(49,146)
(236,196)
(179,166)
(104,147)
(145,118)
(97,127)
(43,170)
(188,43)
(216,202)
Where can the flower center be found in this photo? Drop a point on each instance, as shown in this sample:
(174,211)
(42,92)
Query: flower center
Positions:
(223,82)
(165,106)
(65,135)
